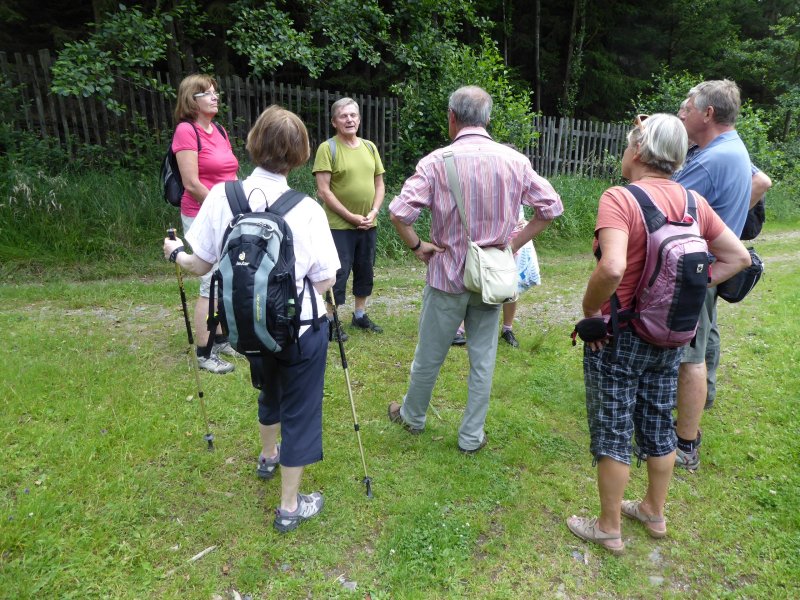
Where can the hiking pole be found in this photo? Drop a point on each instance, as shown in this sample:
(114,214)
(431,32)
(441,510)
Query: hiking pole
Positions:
(209,437)
(367,480)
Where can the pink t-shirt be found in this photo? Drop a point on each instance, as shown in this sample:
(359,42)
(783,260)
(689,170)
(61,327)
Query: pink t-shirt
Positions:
(216,161)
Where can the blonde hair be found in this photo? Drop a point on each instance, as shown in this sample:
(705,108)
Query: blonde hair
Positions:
(186,108)
(662,141)
(278,141)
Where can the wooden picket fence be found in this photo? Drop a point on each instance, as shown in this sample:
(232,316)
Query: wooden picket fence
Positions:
(568,146)
(563,145)
(69,120)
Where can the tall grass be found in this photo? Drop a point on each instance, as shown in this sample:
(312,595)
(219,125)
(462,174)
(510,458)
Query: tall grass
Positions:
(108,223)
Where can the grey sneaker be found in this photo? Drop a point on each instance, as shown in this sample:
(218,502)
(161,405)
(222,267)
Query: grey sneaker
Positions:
(687,460)
(366,324)
(214,364)
(307,507)
(267,466)
(227,349)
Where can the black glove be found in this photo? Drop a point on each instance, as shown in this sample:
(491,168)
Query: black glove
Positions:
(591,329)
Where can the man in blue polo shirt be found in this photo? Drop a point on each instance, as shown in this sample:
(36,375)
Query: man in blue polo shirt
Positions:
(720,171)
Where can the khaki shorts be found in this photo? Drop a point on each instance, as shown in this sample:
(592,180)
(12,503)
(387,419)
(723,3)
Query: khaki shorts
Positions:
(205,280)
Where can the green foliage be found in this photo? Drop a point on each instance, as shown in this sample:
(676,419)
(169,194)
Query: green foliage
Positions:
(667,91)
(121,46)
(267,37)
(423,117)
(63,219)
(755,124)
(350,28)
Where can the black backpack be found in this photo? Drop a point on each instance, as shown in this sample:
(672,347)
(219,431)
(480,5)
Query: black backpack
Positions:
(259,307)
(755,221)
(171,181)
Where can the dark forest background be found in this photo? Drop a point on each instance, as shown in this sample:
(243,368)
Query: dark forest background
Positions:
(601,60)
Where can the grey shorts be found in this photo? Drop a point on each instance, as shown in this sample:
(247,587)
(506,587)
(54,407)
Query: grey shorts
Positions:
(205,280)
(708,321)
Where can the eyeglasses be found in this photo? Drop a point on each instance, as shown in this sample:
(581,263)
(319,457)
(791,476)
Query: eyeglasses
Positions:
(216,94)
(639,121)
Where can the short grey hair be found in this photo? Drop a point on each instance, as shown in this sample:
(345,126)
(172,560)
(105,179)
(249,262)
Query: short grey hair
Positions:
(662,142)
(471,106)
(340,104)
(722,94)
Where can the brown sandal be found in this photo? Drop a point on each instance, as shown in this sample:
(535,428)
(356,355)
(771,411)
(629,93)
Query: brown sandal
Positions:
(632,510)
(588,530)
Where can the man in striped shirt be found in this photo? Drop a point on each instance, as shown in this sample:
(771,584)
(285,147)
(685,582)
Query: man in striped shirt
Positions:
(495,181)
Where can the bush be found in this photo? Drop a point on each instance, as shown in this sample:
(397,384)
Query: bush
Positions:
(423,118)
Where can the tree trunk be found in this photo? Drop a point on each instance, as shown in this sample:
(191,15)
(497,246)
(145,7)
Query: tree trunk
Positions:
(537,69)
(570,53)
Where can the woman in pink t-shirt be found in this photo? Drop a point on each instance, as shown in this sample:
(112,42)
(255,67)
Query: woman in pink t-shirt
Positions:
(205,158)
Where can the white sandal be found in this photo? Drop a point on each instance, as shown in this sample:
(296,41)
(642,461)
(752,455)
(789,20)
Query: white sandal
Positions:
(588,530)
(632,510)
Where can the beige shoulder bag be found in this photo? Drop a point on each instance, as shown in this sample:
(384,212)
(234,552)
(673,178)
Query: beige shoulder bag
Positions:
(490,272)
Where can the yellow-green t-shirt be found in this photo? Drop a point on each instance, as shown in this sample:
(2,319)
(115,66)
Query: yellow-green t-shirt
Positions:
(352,178)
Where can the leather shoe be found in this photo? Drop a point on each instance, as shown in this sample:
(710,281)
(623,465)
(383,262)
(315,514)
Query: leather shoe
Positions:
(394,417)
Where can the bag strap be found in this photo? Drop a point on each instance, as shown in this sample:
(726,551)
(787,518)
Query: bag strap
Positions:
(332,147)
(654,219)
(234,192)
(286,202)
(455,187)
(221,130)
(196,134)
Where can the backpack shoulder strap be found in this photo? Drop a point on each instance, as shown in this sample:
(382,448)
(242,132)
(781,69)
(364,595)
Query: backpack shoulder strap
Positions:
(234,192)
(654,219)
(286,202)
(332,146)
(221,129)
(691,203)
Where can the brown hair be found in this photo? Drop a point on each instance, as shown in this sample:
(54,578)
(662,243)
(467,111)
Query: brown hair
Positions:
(186,105)
(278,141)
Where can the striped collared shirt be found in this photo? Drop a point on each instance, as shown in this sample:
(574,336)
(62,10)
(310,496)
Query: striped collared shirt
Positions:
(495,180)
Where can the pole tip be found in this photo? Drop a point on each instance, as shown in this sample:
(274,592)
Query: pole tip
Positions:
(368,483)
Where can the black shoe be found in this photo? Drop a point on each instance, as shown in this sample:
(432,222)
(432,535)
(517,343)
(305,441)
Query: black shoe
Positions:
(459,340)
(338,333)
(508,336)
(366,323)
(475,450)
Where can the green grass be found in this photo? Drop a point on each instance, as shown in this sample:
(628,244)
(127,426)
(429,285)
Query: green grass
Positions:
(107,489)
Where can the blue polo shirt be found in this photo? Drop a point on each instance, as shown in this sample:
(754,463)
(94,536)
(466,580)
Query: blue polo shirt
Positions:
(721,173)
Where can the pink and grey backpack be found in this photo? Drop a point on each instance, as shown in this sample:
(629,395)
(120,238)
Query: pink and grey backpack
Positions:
(669,297)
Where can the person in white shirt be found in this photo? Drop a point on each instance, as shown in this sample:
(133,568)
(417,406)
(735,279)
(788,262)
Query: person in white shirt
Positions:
(290,401)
